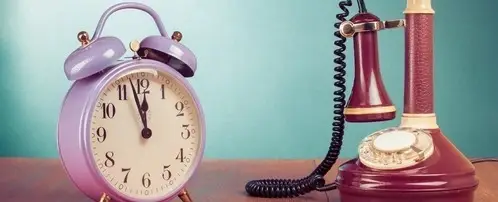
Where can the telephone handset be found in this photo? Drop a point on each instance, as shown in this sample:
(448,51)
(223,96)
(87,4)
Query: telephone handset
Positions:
(410,162)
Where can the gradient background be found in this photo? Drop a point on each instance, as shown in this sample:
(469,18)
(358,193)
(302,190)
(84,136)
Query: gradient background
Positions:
(265,70)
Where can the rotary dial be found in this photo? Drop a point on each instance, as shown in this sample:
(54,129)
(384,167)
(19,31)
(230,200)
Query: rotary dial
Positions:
(395,148)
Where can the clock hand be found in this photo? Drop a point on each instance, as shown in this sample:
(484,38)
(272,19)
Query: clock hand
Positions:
(144,108)
(137,103)
(146,132)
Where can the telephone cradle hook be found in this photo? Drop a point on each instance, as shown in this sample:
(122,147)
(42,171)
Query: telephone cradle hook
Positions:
(183,195)
(349,29)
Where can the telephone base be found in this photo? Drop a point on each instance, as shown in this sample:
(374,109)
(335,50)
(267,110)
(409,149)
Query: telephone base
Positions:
(446,176)
(434,196)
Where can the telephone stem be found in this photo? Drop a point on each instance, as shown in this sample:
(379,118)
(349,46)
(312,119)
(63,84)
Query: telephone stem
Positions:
(419,65)
(419,56)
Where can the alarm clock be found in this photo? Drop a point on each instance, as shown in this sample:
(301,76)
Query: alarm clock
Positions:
(131,130)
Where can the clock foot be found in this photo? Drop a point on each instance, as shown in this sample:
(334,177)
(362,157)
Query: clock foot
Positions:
(184,196)
(105,198)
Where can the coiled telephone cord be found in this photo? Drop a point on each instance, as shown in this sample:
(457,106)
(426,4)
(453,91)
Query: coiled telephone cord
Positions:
(287,188)
(283,188)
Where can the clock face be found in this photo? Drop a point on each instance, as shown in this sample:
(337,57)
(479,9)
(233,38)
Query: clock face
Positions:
(151,161)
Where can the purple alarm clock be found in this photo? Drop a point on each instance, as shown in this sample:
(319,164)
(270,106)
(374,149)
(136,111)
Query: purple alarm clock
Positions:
(131,130)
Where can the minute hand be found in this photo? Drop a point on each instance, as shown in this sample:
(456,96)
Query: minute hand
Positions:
(137,103)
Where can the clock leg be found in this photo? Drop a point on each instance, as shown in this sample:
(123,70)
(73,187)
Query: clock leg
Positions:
(184,196)
(105,198)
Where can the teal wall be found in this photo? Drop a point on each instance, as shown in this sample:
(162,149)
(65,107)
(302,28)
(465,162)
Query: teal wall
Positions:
(265,71)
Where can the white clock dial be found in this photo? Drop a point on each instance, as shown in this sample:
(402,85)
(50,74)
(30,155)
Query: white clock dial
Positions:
(145,165)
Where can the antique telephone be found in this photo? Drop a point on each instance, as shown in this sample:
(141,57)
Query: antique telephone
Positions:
(412,162)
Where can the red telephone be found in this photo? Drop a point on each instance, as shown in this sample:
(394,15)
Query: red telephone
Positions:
(411,162)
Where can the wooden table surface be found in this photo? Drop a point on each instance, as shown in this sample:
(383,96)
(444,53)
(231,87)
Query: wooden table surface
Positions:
(39,180)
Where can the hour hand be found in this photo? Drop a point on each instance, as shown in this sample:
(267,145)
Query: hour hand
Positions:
(145,106)
(146,132)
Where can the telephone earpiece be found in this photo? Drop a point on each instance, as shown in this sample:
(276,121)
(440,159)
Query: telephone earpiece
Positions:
(99,53)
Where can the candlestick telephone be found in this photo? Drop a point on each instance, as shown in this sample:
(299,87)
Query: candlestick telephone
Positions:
(406,146)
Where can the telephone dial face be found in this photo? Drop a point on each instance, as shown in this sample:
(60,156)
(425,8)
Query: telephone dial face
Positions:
(395,148)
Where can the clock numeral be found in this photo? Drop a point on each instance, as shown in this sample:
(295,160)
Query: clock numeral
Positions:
(146,180)
(179,106)
(122,92)
(162,91)
(127,170)
(101,134)
(185,134)
(109,162)
(108,110)
(166,172)
(143,86)
(181,157)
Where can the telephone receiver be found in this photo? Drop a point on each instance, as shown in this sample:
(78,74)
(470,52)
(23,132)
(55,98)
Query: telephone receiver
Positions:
(369,100)
(100,53)
(411,162)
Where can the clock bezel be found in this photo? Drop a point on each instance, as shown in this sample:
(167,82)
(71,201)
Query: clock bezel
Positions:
(95,184)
